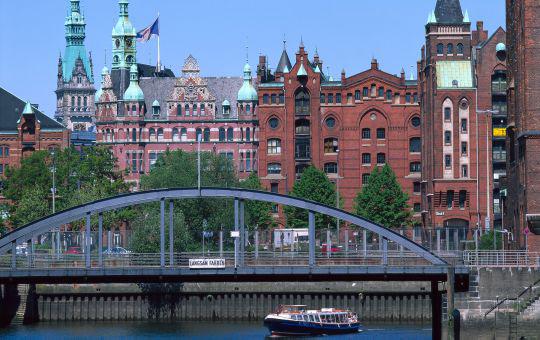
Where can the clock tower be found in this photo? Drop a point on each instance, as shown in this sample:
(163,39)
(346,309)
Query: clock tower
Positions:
(124,40)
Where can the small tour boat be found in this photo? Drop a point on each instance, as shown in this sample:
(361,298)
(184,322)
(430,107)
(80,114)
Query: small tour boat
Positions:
(297,320)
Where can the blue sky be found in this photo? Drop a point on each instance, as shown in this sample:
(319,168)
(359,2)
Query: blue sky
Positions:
(347,34)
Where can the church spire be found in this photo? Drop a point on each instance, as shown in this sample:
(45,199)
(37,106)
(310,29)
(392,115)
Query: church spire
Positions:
(448,12)
(123,36)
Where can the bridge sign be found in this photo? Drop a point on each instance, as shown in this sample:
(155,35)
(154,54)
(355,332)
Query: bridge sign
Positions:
(206,263)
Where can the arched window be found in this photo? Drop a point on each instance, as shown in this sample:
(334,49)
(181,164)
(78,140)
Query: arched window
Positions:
(415,144)
(198,135)
(357,95)
(155,110)
(202,110)
(134,135)
(248,108)
(365,92)
(221,134)
(460,48)
(274,169)
(195,112)
(230,134)
(450,49)
(160,135)
(85,102)
(331,145)
(440,48)
(152,135)
(175,135)
(248,135)
(116,59)
(134,109)
(301,127)
(183,134)
(72,101)
(207,135)
(330,168)
(447,137)
(186,109)
(78,101)
(381,92)
(129,59)
(388,94)
(179,110)
(274,146)
(301,103)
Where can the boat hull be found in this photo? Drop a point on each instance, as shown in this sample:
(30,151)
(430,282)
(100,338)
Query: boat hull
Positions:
(292,327)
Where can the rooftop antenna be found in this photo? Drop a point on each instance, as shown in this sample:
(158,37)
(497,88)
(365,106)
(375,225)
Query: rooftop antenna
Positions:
(105,55)
(247,50)
(284,42)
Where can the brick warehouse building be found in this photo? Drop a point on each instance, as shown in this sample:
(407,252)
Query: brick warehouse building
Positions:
(142,112)
(24,129)
(456,74)
(346,127)
(522,209)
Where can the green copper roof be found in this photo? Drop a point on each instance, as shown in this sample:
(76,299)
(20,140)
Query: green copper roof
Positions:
(301,71)
(432,19)
(123,25)
(247,92)
(75,35)
(500,47)
(104,71)
(225,103)
(454,74)
(155,103)
(28,110)
(133,92)
(317,69)
(466,17)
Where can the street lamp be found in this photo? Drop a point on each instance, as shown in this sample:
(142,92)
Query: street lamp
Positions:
(337,193)
(503,232)
(53,191)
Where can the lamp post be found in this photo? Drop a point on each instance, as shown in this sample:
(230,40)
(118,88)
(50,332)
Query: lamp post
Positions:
(53,192)
(337,194)
(199,161)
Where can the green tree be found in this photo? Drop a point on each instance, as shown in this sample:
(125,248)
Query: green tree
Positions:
(382,200)
(486,241)
(80,177)
(257,213)
(315,186)
(31,206)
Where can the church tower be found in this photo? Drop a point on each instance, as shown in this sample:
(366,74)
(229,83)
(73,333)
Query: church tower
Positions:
(75,87)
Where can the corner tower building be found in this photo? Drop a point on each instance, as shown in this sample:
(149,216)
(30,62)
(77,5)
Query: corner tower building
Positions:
(75,87)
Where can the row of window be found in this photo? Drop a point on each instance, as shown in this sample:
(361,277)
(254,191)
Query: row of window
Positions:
(448,164)
(381,133)
(366,158)
(4,151)
(451,200)
(450,49)
(81,101)
(273,98)
(180,135)
(366,93)
(247,162)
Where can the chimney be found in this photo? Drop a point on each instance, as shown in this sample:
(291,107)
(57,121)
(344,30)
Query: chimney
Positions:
(343,76)
(374,64)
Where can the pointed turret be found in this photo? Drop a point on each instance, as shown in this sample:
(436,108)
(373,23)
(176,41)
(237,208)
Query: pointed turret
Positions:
(28,109)
(284,61)
(75,27)
(466,18)
(448,12)
(247,92)
(134,92)
(99,92)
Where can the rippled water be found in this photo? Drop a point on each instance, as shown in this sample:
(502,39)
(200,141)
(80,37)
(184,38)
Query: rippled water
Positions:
(191,330)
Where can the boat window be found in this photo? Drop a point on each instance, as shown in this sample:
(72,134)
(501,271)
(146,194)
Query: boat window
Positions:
(317,318)
(306,317)
(311,318)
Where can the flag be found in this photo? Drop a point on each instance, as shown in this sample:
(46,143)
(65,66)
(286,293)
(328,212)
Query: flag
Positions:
(147,33)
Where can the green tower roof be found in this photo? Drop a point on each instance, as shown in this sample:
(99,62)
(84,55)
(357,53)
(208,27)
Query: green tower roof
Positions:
(28,110)
(134,92)
(247,92)
(75,35)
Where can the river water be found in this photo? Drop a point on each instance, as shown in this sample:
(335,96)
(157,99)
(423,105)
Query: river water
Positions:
(191,330)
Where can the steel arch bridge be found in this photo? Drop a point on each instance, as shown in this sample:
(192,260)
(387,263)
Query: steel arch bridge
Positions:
(419,264)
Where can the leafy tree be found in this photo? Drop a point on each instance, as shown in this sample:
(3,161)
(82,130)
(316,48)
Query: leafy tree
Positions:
(80,177)
(315,186)
(382,200)
(257,213)
(31,206)
(486,241)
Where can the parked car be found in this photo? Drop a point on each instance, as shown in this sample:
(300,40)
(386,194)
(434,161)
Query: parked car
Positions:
(334,248)
(73,251)
(116,251)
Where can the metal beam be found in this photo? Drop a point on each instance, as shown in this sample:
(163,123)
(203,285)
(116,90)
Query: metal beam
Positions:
(311,238)
(100,239)
(87,240)
(13,255)
(162,233)
(242,233)
(236,229)
(76,213)
(384,251)
(171,234)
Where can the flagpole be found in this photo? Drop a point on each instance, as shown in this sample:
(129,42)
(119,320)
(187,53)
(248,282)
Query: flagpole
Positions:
(158,49)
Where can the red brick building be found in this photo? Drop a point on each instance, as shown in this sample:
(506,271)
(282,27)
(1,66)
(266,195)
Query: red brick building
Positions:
(522,213)
(455,85)
(345,127)
(24,129)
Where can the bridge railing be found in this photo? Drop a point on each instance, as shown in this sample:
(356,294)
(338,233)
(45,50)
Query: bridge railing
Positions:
(503,259)
(181,260)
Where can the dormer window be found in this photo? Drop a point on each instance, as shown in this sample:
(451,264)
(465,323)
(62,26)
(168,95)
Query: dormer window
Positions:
(155,108)
(226,108)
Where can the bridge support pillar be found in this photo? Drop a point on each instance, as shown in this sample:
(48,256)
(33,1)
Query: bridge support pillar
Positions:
(13,254)
(256,243)
(171,233)
(100,239)
(162,233)
(236,229)
(221,242)
(87,240)
(328,243)
(346,242)
(364,242)
(311,238)
(384,251)
(242,233)
(436,311)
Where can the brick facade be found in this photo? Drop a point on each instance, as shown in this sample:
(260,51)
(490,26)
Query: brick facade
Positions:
(523,134)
